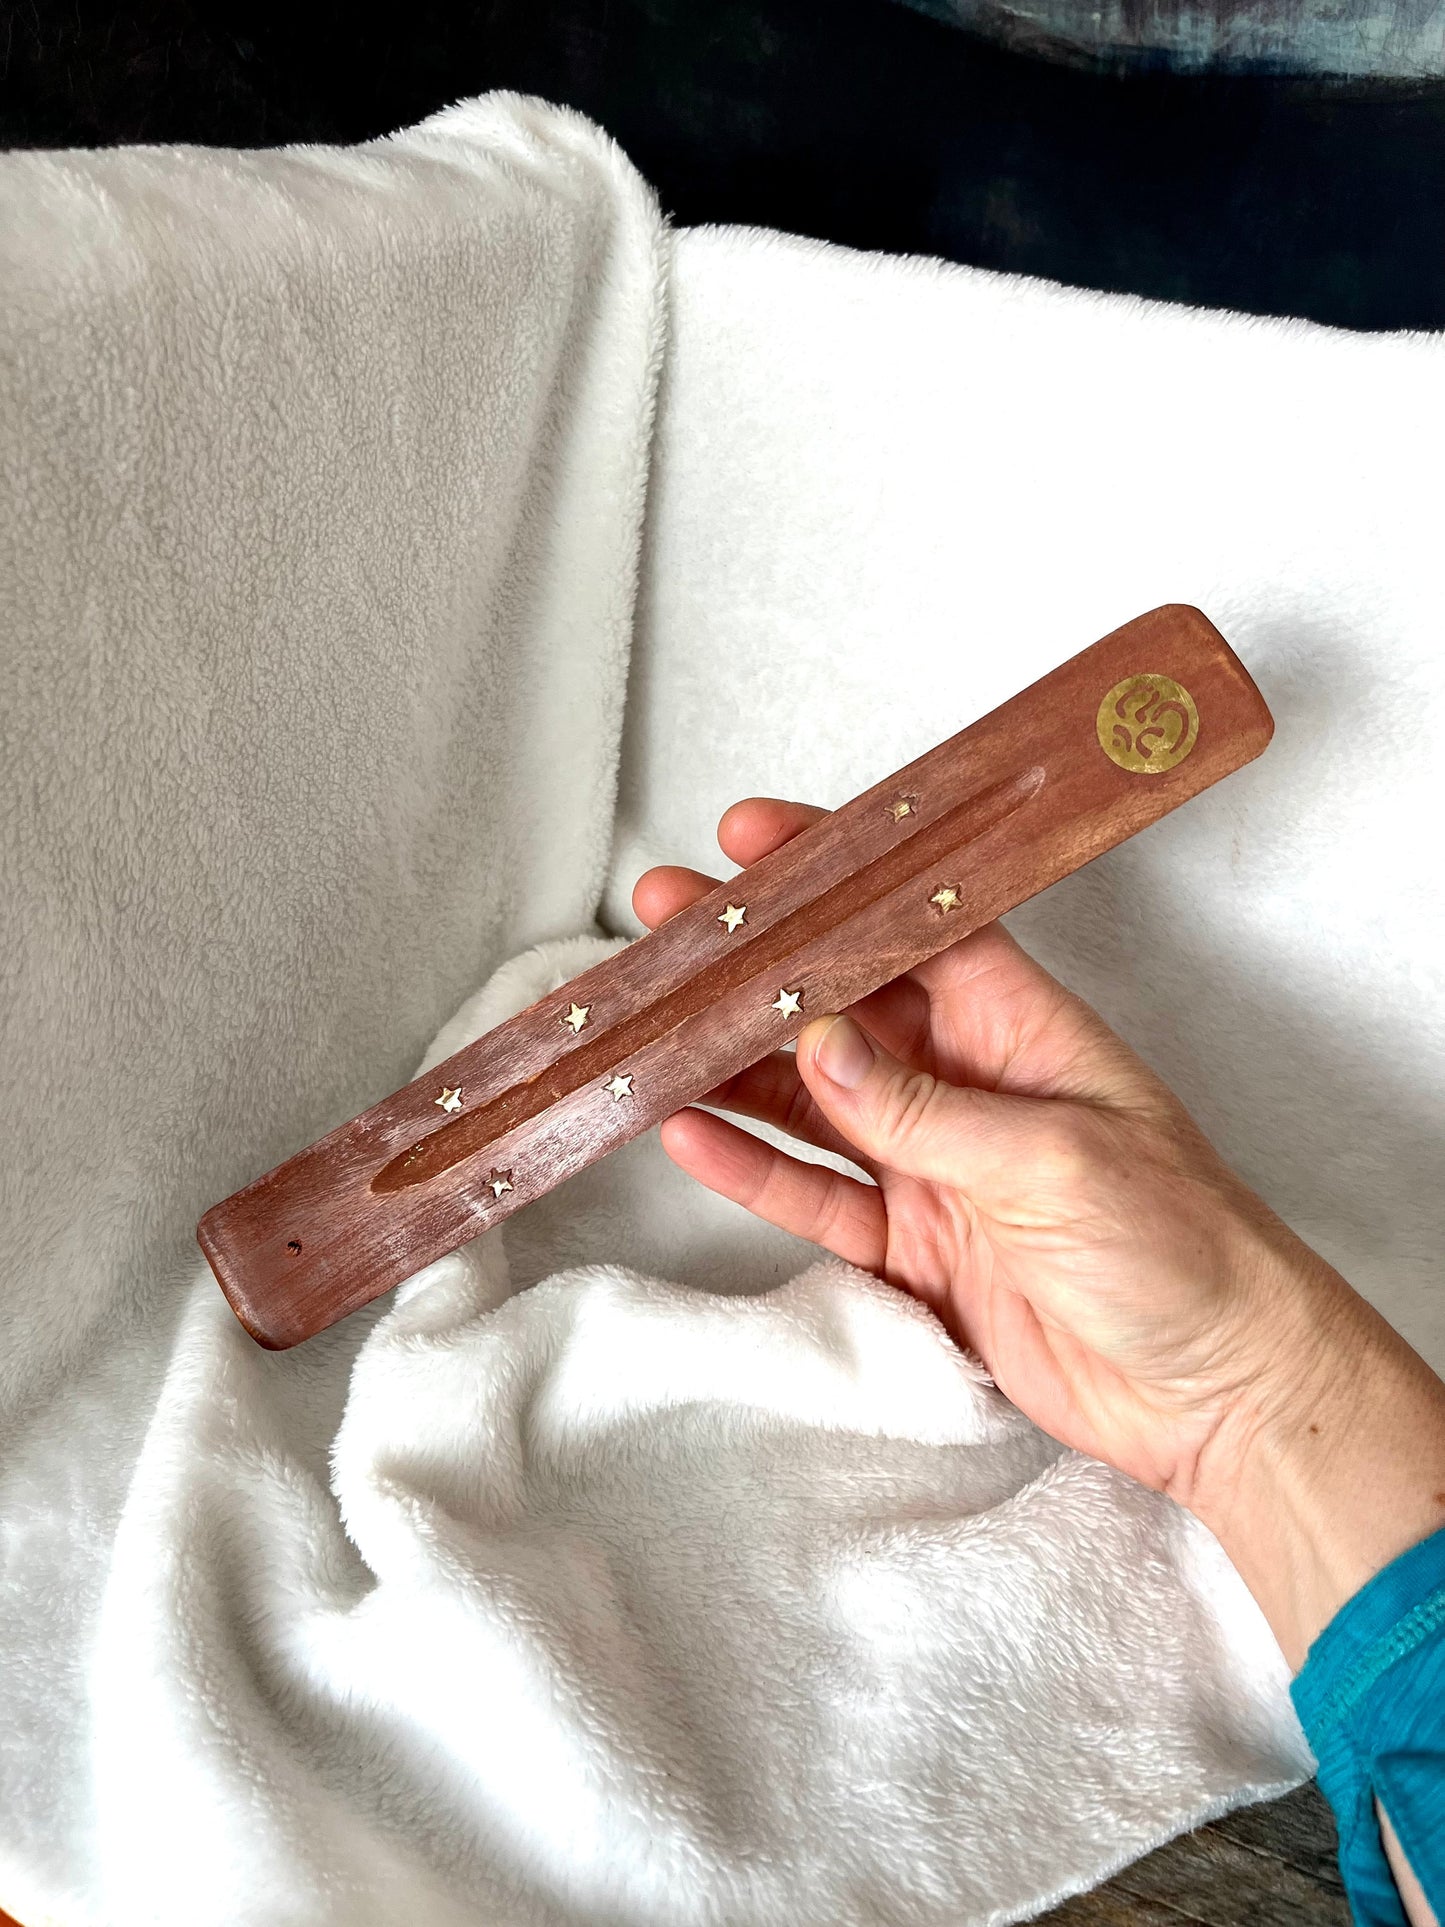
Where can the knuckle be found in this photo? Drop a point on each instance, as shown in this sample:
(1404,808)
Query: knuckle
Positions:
(909,1107)
(828,1219)
(842,1220)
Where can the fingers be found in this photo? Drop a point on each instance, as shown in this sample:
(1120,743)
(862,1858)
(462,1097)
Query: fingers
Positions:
(748,830)
(996,1012)
(843,1215)
(910,1120)
(981,1013)
(898,1014)
(772,1092)
(1000,1020)
(661,892)
(759,825)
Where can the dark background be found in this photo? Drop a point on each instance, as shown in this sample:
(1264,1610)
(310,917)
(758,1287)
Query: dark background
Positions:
(858,121)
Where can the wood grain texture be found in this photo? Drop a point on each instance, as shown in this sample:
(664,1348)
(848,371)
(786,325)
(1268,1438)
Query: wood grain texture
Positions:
(1014,802)
(1298,1831)
(1272,1865)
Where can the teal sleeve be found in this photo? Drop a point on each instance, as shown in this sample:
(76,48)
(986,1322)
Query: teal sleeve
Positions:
(1371,1699)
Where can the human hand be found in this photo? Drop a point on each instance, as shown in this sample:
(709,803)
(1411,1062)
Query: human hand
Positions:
(1048,1196)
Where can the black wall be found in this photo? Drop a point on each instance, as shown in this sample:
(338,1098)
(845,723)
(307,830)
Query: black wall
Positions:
(859,121)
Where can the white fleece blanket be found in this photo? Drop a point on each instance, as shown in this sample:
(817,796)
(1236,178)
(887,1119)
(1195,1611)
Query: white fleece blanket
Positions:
(648,1594)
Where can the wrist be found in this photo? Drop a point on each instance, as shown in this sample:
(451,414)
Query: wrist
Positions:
(1330,1460)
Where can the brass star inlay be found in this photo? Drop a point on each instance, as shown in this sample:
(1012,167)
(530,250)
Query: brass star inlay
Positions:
(620,1085)
(733,916)
(946,898)
(449,1100)
(576,1017)
(500,1181)
(902,806)
(788,1003)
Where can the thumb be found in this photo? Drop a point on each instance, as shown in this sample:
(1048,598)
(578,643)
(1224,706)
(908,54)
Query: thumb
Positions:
(911,1120)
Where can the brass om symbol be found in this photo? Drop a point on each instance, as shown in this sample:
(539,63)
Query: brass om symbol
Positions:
(1147,724)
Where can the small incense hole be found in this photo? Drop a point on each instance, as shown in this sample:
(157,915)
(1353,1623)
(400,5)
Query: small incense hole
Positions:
(293,1245)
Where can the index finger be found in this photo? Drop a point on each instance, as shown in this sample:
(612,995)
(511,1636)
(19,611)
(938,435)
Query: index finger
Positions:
(758,825)
(982,1011)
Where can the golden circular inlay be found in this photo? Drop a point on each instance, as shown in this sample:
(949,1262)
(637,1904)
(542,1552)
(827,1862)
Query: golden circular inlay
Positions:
(1147,724)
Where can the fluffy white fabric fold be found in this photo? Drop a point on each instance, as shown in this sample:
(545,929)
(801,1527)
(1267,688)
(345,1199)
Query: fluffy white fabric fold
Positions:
(645,1603)
(321,477)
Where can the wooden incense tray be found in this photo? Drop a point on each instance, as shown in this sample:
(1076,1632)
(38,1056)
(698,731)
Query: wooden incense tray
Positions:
(1106,744)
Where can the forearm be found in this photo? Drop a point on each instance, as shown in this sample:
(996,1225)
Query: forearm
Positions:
(1332,1468)
(1333,1462)
(1418,1910)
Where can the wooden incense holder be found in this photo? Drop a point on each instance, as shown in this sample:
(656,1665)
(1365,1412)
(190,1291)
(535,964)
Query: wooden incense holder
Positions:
(1103,746)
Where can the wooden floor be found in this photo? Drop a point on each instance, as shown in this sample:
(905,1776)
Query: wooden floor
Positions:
(1265,1866)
